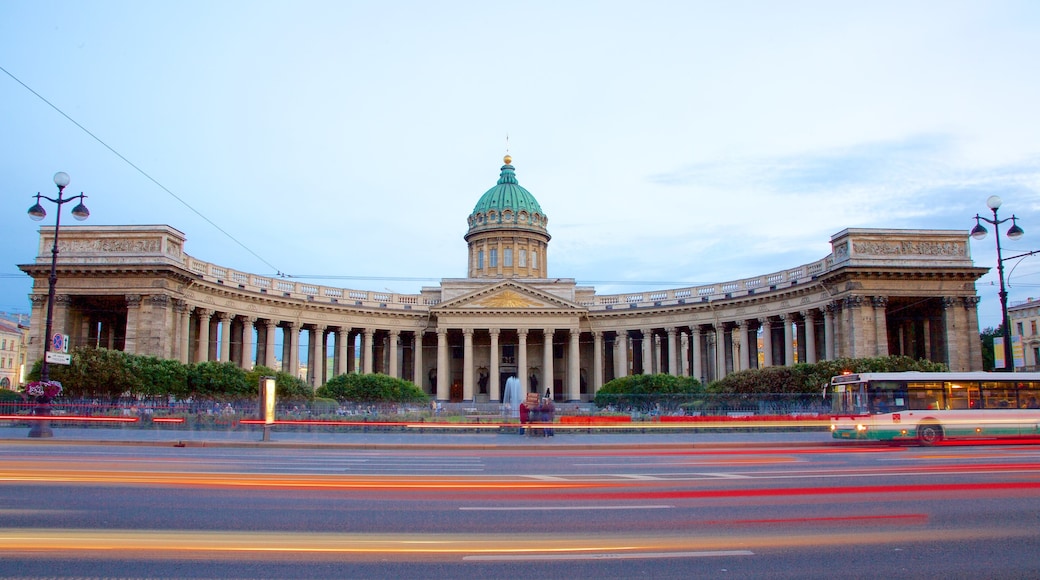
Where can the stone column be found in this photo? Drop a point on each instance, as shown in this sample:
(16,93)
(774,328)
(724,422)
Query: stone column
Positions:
(788,322)
(597,361)
(880,325)
(658,365)
(247,342)
(317,356)
(853,333)
(225,336)
(292,342)
(495,357)
(521,358)
(684,344)
(621,354)
(698,353)
(970,357)
(467,364)
(767,341)
(133,315)
(183,330)
(741,327)
(574,366)
(368,351)
(443,370)
(720,350)
(673,353)
(202,354)
(646,343)
(395,342)
(548,373)
(339,361)
(828,332)
(809,320)
(417,355)
(951,313)
(270,333)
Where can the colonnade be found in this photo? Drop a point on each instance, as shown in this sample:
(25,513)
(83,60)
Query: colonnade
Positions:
(454,358)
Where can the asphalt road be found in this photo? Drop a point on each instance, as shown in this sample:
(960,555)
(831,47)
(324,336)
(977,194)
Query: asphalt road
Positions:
(457,511)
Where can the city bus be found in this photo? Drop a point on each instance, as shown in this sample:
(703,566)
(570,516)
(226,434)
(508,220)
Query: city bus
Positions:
(928,408)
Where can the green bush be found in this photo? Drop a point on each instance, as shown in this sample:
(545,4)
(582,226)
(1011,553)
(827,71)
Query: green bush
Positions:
(372,388)
(9,396)
(322,406)
(648,392)
(99,372)
(221,381)
(810,379)
(159,376)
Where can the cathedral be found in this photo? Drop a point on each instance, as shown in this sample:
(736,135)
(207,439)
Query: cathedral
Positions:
(879,292)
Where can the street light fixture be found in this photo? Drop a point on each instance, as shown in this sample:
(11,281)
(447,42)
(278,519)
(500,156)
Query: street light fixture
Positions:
(1013,233)
(37,213)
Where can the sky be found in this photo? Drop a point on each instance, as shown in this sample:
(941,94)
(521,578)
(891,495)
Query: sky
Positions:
(670,143)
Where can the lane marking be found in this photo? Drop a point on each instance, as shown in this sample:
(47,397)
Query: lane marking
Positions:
(605,556)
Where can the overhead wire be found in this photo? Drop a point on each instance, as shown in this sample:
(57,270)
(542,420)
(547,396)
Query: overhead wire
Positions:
(139,170)
(278,271)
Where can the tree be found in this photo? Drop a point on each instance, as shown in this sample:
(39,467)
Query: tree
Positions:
(987,336)
(222,381)
(100,372)
(286,386)
(159,377)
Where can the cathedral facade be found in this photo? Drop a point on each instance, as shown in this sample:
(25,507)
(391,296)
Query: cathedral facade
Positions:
(878,292)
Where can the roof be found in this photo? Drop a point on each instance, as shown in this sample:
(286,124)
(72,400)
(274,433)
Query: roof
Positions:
(507,205)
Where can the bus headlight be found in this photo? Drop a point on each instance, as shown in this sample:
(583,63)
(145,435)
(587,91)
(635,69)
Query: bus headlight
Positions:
(834,427)
(861,427)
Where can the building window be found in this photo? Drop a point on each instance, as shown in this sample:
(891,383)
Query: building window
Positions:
(480,259)
(1032,326)
(1018,326)
(507,257)
(523,263)
(534,259)
(493,258)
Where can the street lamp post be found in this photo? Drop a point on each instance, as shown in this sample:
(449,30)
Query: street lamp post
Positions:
(1013,233)
(37,213)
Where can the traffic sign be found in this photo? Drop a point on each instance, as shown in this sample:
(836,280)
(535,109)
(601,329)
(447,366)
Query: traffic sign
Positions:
(58,358)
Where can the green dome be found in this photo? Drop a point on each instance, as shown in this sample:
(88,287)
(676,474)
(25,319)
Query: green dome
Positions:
(507,205)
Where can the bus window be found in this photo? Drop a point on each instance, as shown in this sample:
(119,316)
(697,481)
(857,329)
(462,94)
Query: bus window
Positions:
(848,399)
(925,395)
(998,396)
(1029,395)
(1029,399)
(963,395)
(887,397)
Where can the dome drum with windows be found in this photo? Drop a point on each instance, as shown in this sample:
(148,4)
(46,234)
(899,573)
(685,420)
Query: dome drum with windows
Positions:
(507,236)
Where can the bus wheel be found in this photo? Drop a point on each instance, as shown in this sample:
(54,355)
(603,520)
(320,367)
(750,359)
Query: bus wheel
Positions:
(929,434)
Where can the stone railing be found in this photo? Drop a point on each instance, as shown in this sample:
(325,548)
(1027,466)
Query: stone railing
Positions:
(695,294)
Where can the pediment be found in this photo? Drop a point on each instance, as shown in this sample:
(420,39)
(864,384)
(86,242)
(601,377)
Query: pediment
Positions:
(511,296)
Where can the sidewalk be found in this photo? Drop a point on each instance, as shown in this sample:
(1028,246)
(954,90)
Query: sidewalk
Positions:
(563,439)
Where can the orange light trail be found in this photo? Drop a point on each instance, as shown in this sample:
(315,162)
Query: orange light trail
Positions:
(143,544)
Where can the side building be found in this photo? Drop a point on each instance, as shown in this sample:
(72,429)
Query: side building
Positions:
(878,292)
(12,352)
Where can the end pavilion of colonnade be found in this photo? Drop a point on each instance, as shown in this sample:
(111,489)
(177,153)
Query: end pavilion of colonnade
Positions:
(879,292)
